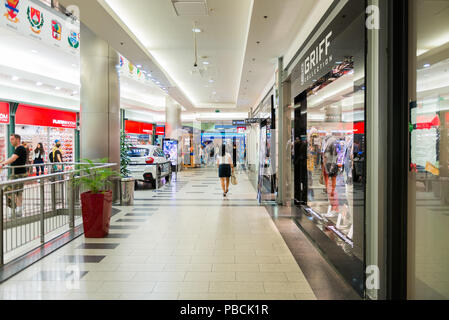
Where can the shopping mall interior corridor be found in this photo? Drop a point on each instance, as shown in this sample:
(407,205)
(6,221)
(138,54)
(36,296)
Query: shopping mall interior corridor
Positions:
(183,241)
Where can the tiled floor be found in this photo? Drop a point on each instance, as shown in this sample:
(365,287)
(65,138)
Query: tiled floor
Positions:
(182,242)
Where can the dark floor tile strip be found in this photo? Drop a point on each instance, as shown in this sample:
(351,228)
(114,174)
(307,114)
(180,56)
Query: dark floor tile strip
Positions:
(130,220)
(139,214)
(99,246)
(124,227)
(82,259)
(174,204)
(21,263)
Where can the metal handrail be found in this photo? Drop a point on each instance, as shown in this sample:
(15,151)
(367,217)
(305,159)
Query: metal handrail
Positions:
(50,175)
(49,206)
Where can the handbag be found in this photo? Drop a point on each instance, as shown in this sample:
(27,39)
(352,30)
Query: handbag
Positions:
(234,180)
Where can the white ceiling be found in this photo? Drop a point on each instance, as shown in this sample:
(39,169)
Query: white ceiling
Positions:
(169,39)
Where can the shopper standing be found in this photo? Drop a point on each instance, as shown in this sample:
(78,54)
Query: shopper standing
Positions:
(225,169)
(18,159)
(28,161)
(38,156)
(56,155)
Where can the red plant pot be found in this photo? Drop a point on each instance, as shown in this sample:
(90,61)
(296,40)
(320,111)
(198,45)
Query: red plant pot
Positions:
(96,209)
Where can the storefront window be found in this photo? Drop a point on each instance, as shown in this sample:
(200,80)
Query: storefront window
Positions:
(328,142)
(429,179)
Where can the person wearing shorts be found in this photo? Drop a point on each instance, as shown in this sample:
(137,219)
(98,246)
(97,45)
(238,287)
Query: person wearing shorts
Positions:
(19,158)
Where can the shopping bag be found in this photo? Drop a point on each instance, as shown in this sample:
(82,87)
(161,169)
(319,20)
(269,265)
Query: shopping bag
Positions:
(234,180)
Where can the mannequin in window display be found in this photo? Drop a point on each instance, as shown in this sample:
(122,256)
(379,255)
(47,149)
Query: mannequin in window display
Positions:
(345,219)
(313,152)
(330,173)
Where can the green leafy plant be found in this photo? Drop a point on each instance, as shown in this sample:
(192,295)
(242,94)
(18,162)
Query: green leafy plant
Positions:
(125,147)
(95,180)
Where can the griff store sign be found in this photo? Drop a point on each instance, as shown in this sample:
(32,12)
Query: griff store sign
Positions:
(317,60)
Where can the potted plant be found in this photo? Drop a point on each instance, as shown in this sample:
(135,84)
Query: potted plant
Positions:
(96,203)
(127,183)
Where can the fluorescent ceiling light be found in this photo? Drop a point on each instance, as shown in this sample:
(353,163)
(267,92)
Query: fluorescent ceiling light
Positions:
(211,80)
(57,88)
(427,65)
(39,83)
(139,66)
(15,78)
(206,62)
(197,30)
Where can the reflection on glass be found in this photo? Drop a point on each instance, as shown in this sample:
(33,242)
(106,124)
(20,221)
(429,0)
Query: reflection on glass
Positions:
(429,206)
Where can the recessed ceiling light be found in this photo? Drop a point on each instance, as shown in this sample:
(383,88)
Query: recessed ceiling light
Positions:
(34,51)
(139,66)
(211,80)
(75,92)
(39,83)
(427,65)
(57,88)
(197,30)
(206,62)
(15,78)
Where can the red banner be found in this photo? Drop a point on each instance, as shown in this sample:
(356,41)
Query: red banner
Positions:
(160,131)
(36,116)
(138,127)
(4,112)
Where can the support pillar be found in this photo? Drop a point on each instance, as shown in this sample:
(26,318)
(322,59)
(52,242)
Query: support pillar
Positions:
(100,99)
(173,124)
(12,126)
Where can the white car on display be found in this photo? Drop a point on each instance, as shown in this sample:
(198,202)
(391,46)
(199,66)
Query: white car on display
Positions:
(143,165)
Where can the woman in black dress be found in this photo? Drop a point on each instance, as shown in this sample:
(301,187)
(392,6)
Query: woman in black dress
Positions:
(225,169)
(39,154)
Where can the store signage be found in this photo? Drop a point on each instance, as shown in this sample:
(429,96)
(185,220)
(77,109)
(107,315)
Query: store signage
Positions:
(36,116)
(317,59)
(138,127)
(238,122)
(241,129)
(4,112)
(253,120)
(40,23)
(160,131)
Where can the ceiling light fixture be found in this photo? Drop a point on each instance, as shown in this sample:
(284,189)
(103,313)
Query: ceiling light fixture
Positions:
(139,66)
(206,62)
(211,80)
(39,83)
(15,78)
(427,65)
(75,92)
(197,30)
(34,51)
(57,88)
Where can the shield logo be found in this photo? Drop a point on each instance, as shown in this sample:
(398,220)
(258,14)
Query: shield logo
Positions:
(74,39)
(56,30)
(12,10)
(36,19)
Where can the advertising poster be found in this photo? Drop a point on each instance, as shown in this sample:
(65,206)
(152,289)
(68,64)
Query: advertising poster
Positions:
(171,148)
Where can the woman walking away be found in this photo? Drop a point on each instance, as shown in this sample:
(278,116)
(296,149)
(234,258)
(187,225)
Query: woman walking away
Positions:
(225,169)
(39,154)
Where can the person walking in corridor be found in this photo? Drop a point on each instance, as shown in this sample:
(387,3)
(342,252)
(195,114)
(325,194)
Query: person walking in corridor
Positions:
(225,169)
(38,156)
(55,156)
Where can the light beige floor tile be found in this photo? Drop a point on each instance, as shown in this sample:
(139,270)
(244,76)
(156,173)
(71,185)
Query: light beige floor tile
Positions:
(257,259)
(210,276)
(261,276)
(235,287)
(142,267)
(287,287)
(213,259)
(182,287)
(92,296)
(188,267)
(159,276)
(207,296)
(265,296)
(279,268)
(295,276)
(126,286)
(305,296)
(246,253)
(149,296)
(170,259)
(235,267)
(108,276)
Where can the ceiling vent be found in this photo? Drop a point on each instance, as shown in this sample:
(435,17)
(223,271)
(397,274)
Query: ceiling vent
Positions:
(190,7)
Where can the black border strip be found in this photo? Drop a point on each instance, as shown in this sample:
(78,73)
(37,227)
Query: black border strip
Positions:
(398,160)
